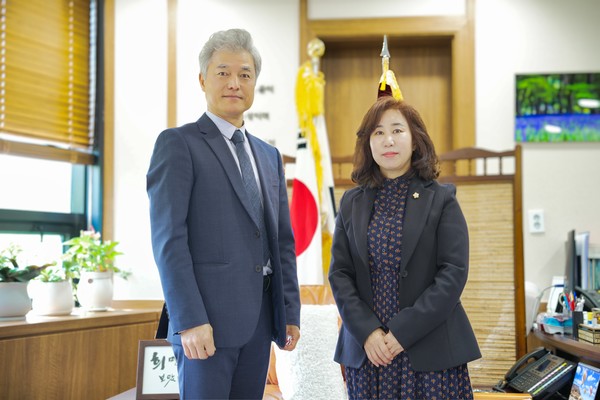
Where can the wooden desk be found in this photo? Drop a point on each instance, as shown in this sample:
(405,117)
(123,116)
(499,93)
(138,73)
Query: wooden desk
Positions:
(566,347)
(79,356)
(128,395)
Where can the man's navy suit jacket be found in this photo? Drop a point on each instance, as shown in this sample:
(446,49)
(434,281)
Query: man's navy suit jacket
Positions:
(206,245)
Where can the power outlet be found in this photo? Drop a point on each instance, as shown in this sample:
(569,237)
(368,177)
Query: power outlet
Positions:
(536,221)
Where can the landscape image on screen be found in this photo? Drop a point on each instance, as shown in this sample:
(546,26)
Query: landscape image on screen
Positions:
(558,107)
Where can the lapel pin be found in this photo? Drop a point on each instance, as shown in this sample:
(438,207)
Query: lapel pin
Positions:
(415,195)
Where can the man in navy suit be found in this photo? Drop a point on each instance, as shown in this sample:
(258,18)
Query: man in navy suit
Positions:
(224,251)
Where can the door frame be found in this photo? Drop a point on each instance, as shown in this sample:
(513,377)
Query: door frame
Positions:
(459,29)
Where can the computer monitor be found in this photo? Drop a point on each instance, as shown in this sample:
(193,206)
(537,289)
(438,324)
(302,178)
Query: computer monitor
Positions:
(571,265)
(585,383)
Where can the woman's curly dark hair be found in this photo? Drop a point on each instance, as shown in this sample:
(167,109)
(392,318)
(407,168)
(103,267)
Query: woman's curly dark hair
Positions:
(424,161)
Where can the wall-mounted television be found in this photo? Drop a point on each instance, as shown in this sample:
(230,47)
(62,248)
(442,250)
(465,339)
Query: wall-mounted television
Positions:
(562,107)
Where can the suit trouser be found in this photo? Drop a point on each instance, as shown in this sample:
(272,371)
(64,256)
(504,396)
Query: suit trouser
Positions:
(231,373)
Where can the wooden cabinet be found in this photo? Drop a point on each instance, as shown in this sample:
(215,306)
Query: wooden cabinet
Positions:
(80,356)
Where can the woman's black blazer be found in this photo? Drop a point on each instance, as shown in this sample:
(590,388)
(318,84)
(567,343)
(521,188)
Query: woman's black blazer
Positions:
(432,325)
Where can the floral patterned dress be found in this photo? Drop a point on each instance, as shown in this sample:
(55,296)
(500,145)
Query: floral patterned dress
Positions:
(397,380)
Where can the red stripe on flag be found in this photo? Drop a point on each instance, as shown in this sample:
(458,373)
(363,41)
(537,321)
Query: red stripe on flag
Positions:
(304,216)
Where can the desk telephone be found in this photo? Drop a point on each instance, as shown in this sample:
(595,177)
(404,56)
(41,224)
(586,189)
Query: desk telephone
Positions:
(539,373)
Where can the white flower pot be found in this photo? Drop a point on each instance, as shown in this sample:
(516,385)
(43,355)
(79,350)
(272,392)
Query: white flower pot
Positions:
(95,290)
(51,298)
(14,300)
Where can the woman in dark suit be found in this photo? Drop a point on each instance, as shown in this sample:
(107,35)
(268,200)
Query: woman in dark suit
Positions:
(400,259)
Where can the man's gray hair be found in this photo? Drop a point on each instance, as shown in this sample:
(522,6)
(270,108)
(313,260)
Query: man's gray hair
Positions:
(232,40)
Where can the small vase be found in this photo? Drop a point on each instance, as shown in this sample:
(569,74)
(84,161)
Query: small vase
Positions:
(14,301)
(52,298)
(95,290)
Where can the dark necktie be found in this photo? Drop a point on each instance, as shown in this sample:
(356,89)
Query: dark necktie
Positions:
(251,188)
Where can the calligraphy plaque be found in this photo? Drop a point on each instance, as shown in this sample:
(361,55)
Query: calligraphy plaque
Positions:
(157,371)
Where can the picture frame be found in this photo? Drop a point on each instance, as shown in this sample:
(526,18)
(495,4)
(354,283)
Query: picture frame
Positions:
(156,371)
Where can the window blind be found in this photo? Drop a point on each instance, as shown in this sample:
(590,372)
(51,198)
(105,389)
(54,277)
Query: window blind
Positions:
(45,92)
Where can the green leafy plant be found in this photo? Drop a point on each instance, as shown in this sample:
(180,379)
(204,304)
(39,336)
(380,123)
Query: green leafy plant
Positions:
(88,252)
(53,274)
(10,271)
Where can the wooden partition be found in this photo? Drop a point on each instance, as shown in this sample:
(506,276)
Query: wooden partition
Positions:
(489,191)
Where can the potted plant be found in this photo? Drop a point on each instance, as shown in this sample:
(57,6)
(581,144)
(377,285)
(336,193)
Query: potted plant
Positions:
(14,299)
(52,291)
(92,261)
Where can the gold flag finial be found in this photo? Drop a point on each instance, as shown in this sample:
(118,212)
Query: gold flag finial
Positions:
(316,49)
(387,84)
(384,50)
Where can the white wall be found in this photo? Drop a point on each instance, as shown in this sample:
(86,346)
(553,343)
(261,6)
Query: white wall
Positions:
(141,101)
(348,9)
(512,36)
(540,36)
(275,30)
(140,113)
